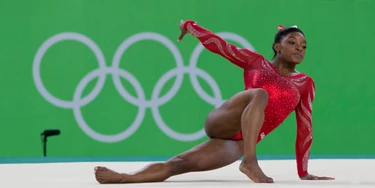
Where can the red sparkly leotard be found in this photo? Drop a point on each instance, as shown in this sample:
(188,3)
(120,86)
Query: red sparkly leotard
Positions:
(285,93)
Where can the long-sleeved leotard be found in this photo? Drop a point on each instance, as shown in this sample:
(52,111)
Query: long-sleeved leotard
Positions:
(285,93)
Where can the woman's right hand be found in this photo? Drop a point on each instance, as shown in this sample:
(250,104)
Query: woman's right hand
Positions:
(183,31)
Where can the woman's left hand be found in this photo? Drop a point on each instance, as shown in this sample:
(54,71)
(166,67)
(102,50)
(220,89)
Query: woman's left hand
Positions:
(312,177)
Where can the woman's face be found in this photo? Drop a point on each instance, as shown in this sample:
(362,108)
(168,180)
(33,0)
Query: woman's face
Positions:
(292,48)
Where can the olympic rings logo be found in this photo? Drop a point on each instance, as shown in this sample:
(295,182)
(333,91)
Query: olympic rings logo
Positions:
(140,100)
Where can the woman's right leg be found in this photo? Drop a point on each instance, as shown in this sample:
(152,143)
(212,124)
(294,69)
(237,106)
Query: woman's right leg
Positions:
(210,155)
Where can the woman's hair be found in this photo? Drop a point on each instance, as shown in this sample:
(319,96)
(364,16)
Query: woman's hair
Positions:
(282,33)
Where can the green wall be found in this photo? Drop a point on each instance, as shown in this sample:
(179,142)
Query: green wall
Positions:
(78,92)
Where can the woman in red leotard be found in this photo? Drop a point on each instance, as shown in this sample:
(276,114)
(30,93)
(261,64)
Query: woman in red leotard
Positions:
(273,90)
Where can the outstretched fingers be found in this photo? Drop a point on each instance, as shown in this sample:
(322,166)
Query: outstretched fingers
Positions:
(183,31)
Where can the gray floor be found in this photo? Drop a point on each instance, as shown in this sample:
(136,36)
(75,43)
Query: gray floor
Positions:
(348,173)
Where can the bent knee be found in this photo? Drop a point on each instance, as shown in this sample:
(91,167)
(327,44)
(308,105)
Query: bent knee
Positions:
(259,96)
(260,93)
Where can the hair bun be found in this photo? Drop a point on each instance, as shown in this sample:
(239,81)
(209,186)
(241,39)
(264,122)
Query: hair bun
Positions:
(281,27)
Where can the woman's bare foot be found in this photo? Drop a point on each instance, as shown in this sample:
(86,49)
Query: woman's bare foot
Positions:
(254,172)
(104,175)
